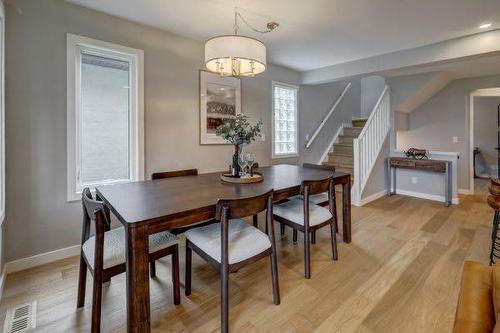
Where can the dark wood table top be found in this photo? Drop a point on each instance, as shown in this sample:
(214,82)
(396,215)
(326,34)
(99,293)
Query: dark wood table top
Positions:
(183,197)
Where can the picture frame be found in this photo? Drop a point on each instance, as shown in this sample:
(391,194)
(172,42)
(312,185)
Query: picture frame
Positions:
(220,98)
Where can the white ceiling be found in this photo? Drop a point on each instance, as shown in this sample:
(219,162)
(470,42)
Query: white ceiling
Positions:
(316,33)
(474,67)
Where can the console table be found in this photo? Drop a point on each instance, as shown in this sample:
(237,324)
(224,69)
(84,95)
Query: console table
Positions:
(439,166)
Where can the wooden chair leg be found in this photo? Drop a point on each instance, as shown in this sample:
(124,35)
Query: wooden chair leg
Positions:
(175,275)
(82,283)
(307,256)
(224,300)
(187,283)
(494,225)
(255,221)
(282,229)
(494,237)
(275,280)
(313,237)
(333,239)
(294,235)
(96,305)
(152,268)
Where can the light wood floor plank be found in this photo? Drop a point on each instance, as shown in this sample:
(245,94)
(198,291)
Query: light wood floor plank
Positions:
(401,273)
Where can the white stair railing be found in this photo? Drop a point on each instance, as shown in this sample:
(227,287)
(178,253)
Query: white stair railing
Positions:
(369,143)
(328,115)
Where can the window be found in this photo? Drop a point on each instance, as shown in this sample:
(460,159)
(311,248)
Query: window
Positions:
(105,114)
(285,120)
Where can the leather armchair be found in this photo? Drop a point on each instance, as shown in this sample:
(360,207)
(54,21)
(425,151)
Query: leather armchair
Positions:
(479,299)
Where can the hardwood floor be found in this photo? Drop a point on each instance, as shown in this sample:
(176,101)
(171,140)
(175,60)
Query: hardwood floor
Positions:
(401,273)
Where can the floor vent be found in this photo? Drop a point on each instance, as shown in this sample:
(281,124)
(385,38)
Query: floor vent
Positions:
(20,319)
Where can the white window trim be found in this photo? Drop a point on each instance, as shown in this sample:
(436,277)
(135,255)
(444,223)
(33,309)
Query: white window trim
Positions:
(76,43)
(2,114)
(274,155)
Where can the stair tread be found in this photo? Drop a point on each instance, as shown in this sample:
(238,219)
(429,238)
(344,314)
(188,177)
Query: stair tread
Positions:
(340,154)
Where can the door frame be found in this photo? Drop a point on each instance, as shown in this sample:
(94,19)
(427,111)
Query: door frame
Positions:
(486,92)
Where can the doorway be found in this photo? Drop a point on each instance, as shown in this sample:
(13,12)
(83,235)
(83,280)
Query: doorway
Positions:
(484,124)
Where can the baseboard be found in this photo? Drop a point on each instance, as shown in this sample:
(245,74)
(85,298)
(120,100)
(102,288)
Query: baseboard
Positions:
(427,196)
(42,259)
(464,191)
(371,198)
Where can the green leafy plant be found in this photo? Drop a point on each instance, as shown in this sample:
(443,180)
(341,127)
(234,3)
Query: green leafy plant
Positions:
(238,130)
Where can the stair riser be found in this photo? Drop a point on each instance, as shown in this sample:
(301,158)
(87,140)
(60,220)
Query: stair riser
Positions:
(342,149)
(336,159)
(359,123)
(345,139)
(351,132)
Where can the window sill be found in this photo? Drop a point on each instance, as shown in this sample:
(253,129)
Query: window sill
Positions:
(275,157)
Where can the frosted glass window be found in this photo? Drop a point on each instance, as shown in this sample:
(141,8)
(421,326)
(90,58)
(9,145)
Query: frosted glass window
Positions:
(285,120)
(105,114)
(105,119)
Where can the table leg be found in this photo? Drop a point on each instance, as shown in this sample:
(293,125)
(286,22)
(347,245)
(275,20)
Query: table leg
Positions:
(346,210)
(448,185)
(138,318)
(393,182)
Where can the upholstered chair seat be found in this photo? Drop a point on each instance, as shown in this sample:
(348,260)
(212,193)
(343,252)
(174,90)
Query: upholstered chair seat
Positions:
(114,246)
(245,241)
(293,211)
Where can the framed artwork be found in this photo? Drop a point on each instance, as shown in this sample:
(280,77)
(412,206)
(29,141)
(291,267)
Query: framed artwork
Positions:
(220,98)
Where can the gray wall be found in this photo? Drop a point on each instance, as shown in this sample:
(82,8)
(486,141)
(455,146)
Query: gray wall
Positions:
(485,134)
(377,181)
(315,102)
(38,217)
(371,88)
(434,124)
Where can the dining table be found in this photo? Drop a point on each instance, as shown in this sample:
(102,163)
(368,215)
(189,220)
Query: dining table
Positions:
(151,206)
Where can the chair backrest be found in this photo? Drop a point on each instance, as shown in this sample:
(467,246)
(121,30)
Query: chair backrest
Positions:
(95,211)
(494,189)
(227,209)
(243,207)
(312,187)
(319,166)
(178,173)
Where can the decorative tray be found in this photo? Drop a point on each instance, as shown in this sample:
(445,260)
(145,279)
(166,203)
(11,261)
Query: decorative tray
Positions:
(257,177)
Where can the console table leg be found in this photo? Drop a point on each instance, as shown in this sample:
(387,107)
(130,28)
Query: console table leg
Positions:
(448,185)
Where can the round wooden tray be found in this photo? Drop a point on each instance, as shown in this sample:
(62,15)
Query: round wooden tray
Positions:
(257,177)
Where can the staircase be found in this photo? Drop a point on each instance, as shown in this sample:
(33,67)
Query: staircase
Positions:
(341,156)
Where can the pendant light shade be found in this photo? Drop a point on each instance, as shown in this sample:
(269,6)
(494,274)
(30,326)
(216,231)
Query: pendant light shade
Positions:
(235,55)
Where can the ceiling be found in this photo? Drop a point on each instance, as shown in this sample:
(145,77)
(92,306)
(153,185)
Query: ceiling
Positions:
(473,67)
(316,33)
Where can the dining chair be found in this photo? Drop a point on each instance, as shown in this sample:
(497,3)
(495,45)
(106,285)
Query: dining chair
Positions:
(177,231)
(177,173)
(304,216)
(320,199)
(231,244)
(103,254)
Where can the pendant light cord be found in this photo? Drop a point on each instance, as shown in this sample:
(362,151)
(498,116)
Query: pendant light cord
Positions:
(270,25)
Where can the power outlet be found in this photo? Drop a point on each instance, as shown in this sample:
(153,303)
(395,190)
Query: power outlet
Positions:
(455,139)
(263,137)
(413,180)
